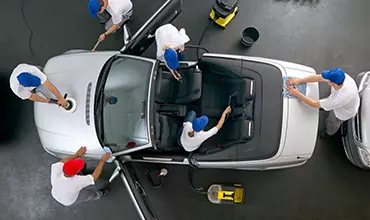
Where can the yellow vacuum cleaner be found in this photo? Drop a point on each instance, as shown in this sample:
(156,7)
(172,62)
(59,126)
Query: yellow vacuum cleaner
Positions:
(224,11)
(226,194)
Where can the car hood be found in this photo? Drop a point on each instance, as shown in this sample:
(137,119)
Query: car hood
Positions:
(302,120)
(76,75)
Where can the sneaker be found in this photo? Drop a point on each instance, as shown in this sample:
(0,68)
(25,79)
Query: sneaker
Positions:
(105,191)
(324,135)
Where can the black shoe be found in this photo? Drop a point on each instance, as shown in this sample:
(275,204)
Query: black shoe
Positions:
(105,191)
(324,135)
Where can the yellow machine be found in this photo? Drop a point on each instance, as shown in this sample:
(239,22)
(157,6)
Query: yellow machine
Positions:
(226,194)
(224,11)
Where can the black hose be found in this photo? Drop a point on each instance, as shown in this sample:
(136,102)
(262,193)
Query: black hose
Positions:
(199,190)
(204,31)
(29,28)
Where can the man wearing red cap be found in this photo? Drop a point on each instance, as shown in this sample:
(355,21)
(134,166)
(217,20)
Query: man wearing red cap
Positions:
(68,187)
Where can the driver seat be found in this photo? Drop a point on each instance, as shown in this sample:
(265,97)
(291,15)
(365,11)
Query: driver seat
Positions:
(170,91)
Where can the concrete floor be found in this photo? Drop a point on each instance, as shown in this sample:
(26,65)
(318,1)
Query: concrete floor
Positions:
(318,33)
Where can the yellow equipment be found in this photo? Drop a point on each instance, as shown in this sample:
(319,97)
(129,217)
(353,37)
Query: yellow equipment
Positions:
(226,194)
(224,11)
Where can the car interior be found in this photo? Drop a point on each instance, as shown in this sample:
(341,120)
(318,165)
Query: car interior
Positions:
(250,131)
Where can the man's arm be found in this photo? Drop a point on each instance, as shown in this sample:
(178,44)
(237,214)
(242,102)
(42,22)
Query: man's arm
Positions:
(112,29)
(222,119)
(53,89)
(312,78)
(36,98)
(99,168)
(80,153)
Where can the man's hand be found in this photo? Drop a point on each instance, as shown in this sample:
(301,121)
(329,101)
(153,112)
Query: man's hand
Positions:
(62,102)
(293,91)
(81,152)
(227,110)
(102,37)
(105,157)
(293,81)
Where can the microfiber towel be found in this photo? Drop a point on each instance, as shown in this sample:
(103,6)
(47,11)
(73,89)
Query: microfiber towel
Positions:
(301,87)
(107,149)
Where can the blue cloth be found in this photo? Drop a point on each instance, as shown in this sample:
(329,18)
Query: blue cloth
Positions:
(94,7)
(335,75)
(170,56)
(107,150)
(200,123)
(301,87)
(28,80)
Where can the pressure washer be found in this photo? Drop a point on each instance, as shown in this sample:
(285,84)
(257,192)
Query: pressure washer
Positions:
(224,11)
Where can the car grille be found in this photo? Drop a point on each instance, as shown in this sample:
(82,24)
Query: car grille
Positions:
(87,109)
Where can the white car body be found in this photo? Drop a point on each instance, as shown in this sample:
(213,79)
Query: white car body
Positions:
(63,133)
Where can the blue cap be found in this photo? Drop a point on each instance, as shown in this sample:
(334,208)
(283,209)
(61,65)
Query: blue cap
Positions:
(170,56)
(335,75)
(94,7)
(200,123)
(28,80)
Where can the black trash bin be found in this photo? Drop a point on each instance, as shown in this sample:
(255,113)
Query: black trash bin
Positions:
(249,36)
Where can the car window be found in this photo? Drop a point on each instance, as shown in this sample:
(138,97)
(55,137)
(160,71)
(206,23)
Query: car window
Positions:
(125,94)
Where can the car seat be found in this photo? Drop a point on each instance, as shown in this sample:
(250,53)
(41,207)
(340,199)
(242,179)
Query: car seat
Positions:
(166,132)
(169,90)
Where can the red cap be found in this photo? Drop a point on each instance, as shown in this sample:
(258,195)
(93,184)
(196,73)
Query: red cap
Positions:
(72,167)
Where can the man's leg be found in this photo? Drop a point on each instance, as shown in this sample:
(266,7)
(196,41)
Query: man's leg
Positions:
(88,194)
(190,116)
(332,124)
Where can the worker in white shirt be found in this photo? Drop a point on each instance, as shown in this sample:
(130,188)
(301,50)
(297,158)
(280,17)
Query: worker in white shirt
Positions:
(25,78)
(114,13)
(70,188)
(191,135)
(170,47)
(343,102)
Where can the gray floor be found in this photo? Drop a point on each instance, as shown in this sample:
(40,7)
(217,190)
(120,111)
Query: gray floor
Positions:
(321,34)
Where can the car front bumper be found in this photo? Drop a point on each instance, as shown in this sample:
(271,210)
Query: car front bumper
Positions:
(350,147)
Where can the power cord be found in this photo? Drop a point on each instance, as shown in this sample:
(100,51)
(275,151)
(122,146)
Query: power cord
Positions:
(203,33)
(29,28)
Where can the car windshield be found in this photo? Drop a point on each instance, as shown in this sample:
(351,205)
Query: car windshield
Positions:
(121,103)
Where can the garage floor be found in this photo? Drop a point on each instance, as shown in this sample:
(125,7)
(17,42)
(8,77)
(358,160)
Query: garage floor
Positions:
(317,33)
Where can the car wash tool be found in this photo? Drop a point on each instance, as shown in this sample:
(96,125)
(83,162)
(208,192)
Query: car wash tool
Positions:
(155,177)
(224,11)
(96,45)
(108,150)
(249,36)
(71,106)
(228,194)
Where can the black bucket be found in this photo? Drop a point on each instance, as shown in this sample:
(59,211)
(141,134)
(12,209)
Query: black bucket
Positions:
(249,36)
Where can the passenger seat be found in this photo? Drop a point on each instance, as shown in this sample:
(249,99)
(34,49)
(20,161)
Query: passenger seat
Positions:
(169,90)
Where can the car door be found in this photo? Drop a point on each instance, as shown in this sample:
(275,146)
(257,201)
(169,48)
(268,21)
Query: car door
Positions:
(144,37)
(137,193)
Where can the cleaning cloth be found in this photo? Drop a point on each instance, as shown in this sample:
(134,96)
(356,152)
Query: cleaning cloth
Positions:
(301,87)
(107,149)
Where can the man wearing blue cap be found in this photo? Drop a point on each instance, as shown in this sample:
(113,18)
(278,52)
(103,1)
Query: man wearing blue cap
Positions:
(343,102)
(192,134)
(111,12)
(25,78)
(170,47)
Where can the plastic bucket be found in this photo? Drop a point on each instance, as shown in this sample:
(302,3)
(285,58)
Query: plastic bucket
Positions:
(249,36)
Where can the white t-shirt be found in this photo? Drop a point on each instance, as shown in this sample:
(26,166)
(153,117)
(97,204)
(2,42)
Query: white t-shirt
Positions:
(66,189)
(344,102)
(193,143)
(21,91)
(169,35)
(117,8)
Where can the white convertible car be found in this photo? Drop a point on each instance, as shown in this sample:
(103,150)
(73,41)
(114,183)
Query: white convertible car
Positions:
(264,130)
